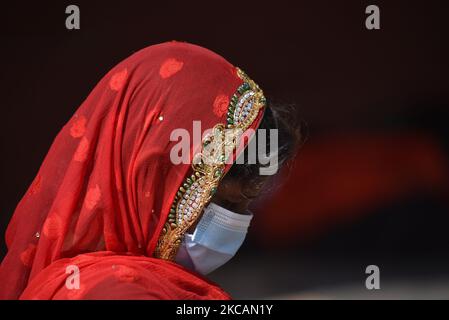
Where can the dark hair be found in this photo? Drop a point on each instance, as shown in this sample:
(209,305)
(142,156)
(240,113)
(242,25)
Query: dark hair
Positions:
(291,134)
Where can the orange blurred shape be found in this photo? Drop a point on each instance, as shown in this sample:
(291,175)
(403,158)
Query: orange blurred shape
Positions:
(336,179)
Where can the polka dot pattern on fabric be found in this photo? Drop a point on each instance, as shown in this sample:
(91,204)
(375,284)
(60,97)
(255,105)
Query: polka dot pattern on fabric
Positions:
(81,151)
(221,104)
(118,80)
(27,256)
(52,228)
(78,127)
(170,67)
(125,274)
(93,196)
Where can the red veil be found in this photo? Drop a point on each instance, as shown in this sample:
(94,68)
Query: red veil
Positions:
(105,189)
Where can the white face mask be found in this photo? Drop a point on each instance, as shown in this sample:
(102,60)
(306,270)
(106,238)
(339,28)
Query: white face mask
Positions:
(216,239)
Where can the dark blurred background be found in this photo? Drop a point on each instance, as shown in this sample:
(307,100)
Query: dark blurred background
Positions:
(370,186)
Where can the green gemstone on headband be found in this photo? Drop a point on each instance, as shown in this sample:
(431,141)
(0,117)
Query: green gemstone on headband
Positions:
(179,194)
(172,211)
(230,121)
(186,186)
(193,177)
(213,190)
(189,181)
(218,172)
(244,87)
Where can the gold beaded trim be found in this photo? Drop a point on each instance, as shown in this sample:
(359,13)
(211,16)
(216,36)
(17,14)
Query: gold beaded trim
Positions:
(208,166)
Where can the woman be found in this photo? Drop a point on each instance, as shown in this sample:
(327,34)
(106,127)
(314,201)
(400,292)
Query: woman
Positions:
(109,216)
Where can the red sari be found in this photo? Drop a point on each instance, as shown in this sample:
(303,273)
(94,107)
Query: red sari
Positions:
(104,191)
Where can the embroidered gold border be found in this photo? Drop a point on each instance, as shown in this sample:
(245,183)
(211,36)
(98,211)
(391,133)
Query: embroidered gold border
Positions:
(208,167)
